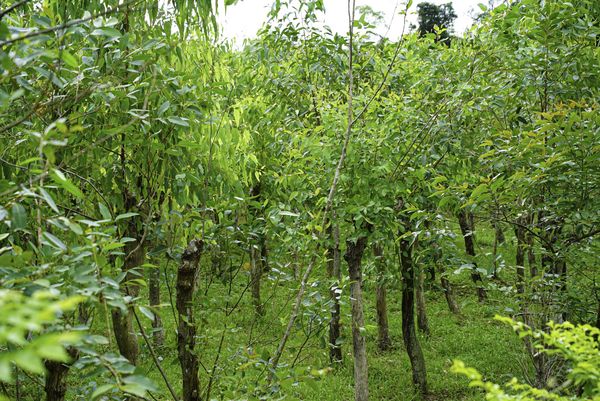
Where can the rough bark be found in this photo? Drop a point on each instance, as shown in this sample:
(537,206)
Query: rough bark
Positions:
(158,333)
(186,329)
(55,383)
(411,342)
(466,228)
(353,256)
(56,377)
(334,273)
(383,338)
(422,321)
(123,327)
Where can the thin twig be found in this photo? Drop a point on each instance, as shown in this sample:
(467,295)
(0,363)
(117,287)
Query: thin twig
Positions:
(156,361)
(12,7)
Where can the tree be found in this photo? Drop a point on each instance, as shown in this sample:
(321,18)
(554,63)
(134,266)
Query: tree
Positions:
(436,19)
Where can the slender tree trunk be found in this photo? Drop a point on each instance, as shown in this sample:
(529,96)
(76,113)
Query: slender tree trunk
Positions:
(411,342)
(334,273)
(383,339)
(258,249)
(264,254)
(446,285)
(531,259)
(158,332)
(186,329)
(449,295)
(520,259)
(125,333)
(467,232)
(353,256)
(422,321)
(256,271)
(498,233)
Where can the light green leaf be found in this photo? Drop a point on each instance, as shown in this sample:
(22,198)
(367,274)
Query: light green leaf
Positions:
(178,121)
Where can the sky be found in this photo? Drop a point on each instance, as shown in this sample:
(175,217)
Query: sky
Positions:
(242,20)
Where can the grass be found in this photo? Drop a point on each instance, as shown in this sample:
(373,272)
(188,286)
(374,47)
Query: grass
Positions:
(476,338)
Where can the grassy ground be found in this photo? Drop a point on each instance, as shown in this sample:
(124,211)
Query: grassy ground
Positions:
(477,339)
(248,342)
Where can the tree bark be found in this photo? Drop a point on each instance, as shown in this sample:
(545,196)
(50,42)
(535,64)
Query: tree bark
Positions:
(466,229)
(334,273)
(256,272)
(353,256)
(411,342)
(422,321)
(186,329)
(125,333)
(520,259)
(158,333)
(383,338)
(56,377)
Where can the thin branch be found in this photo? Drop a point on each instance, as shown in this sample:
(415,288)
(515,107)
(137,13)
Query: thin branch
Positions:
(154,357)
(274,361)
(12,7)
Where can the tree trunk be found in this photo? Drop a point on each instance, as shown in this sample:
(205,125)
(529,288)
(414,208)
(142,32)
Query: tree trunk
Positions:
(422,321)
(186,329)
(498,233)
(258,250)
(411,342)
(446,285)
(531,260)
(158,333)
(55,384)
(56,377)
(353,256)
(466,229)
(125,334)
(449,295)
(334,273)
(256,271)
(520,259)
(383,339)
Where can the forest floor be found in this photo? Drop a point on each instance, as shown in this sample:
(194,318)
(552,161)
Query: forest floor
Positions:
(475,338)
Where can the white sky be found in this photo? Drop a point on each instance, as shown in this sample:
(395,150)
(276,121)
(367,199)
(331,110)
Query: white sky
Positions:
(242,20)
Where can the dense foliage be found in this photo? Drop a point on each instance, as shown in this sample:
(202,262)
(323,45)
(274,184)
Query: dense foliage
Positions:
(182,219)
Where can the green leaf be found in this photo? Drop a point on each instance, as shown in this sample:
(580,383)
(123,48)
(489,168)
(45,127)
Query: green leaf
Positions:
(59,178)
(164,107)
(49,200)
(69,59)
(147,312)
(19,217)
(27,360)
(101,390)
(126,215)
(178,121)
(104,211)
(54,241)
(107,31)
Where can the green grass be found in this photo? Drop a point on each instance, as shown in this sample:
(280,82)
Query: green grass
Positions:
(476,338)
